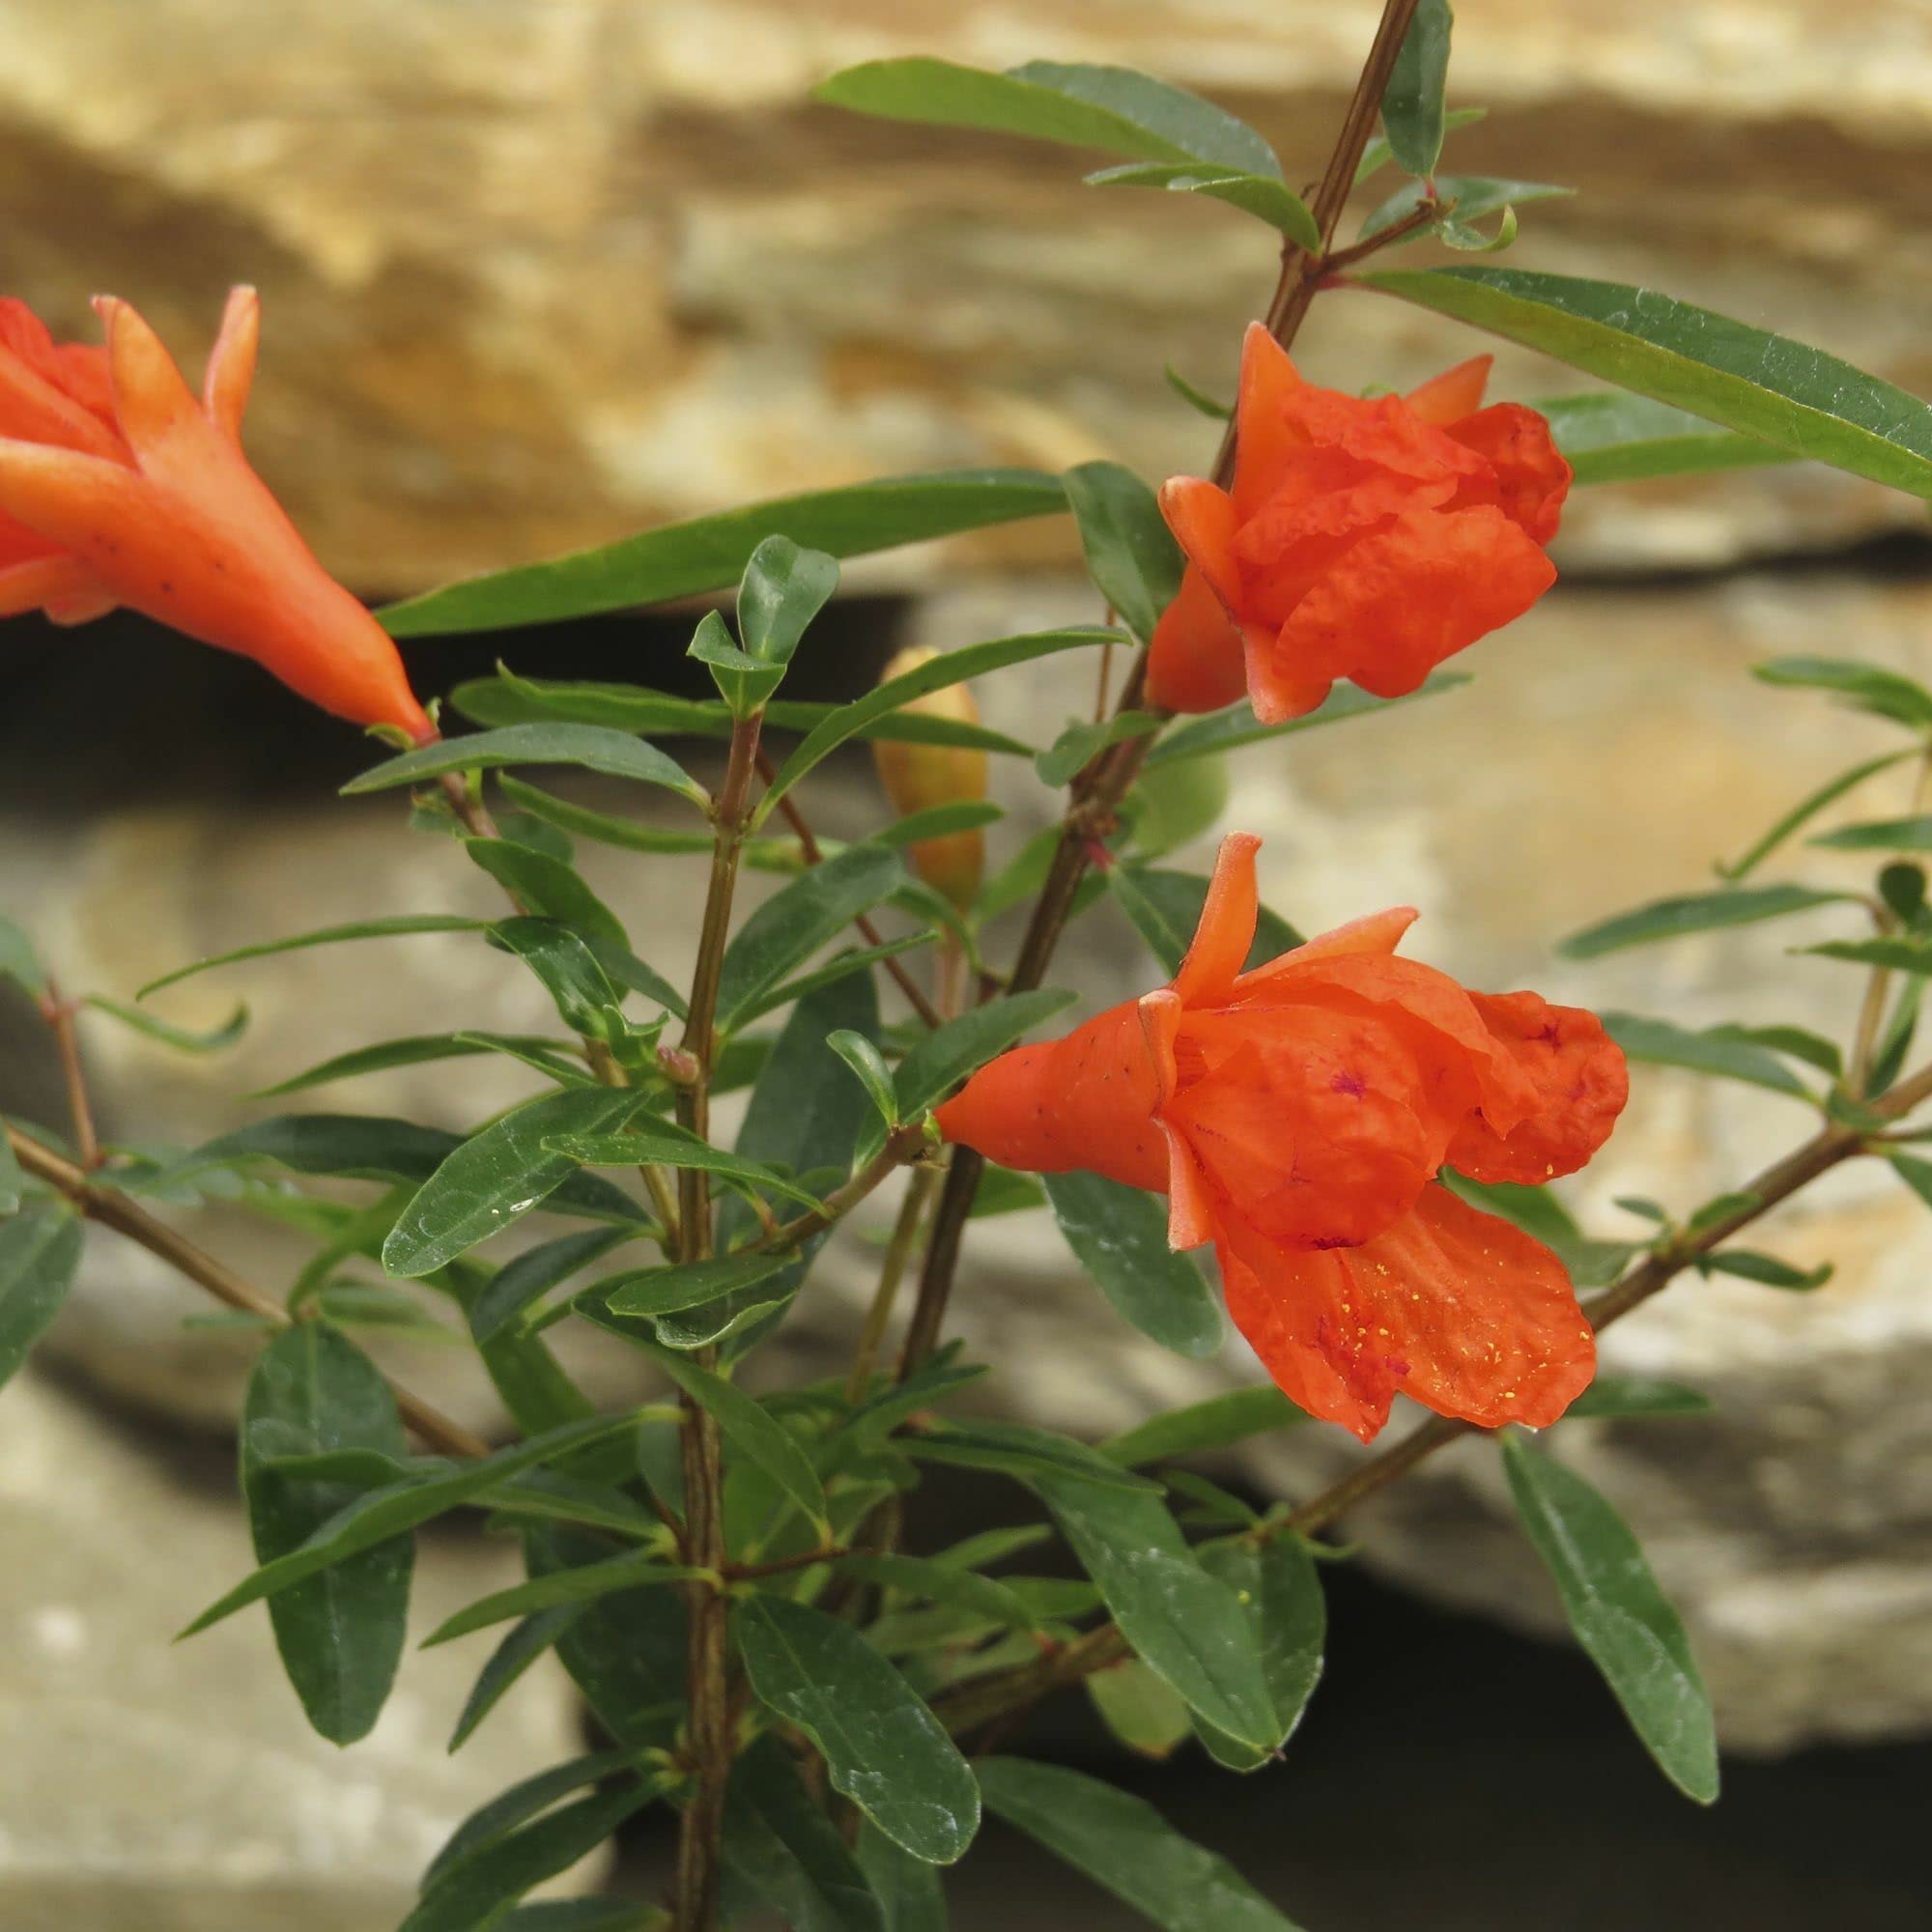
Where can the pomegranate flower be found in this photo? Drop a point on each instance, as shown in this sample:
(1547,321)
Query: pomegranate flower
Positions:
(118,487)
(1297,1116)
(1365,540)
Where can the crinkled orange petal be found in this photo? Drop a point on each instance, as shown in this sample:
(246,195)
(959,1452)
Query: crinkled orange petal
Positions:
(1225,932)
(1279,688)
(1454,394)
(1532,477)
(1459,1310)
(231,363)
(1268,427)
(48,395)
(1376,932)
(1402,601)
(1085,1101)
(1194,659)
(1581,1084)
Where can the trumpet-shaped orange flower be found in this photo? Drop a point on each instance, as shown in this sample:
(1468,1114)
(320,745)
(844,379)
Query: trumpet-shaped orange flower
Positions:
(1365,540)
(1297,1116)
(119,487)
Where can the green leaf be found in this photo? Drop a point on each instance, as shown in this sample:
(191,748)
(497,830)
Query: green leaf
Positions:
(1718,1051)
(473,1892)
(524,1801)
(908,1889)
(683,1285)
(185,1039)
(1882,835)
(751,1429)
(1864,687)
(869,1065)
(1112,108)
(883,1749)
(412,1051)
(1469,197)
(1169,806)
(1611,436)
(1138,1709)
(400,927)
(784,589)
(340,1634)
(1132,555)
(664,1144)
(943,1583)
(1638,1395)
(1279,1587)
(1621,1618)
(12,1181)
(1119,1234)
(375,1516)
(1694,912)
(949,668)
(946,1054)
(1012,1449)
(1808,808)
(1237,726)
(781,1845)
(591,747)
(1190,1628)
(584,1914)
(1763,385)
(364,1146)
(40,1252)
(496,1176)
(1267,197)
(18,961)
(1198,400)
(1413,121)
(1216,1423)
(1165,908)
(645,1570)
(501,1301)
(800,917)
(1126,1847)
(1379,154)
(1900,953)
(710,553)
(1001,1191)
(518,1650)
(1080,742)
(1767,1270)
(1800,1044)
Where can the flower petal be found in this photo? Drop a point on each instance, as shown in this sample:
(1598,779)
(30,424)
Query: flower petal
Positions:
(1194,659)
(1226,929)
(154,407)
(1580,1083)
(1454,394)
(58,584)
(1268,426)
(1531,477)
(37,402)
(231,363)
(1454,1307)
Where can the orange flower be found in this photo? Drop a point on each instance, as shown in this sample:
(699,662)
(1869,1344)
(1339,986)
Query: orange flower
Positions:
(1365,540)
(118,487)
(1297,1116)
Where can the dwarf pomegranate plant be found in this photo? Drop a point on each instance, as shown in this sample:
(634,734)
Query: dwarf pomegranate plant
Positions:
(1365,1146)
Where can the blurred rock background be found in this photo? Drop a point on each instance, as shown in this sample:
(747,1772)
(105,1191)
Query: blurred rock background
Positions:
(541,272)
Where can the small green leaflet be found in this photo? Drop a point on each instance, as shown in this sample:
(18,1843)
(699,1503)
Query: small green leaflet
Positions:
(559,1587)
(1267,197)
(40,1252)
(591,747)
(946,1054)
(1413,120)
(751,1429)
(682,1285)
(1278,1585)
(780,1843)
(1718,1051)
(883,1749)
(1216,1423)
(1694,912)
(1132,555)
(1230,729)
(1119,1234)
(1806,808)
(398,928)
(1638,1395)
(1621,1618)
(1863,686)
(184,1040)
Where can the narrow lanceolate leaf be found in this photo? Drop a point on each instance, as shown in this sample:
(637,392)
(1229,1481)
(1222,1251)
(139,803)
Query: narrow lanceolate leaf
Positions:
(1717,1051)
(1899,954)
(1132,555)
(521,1801)
(1413,121)
(375,1516)
(591,747)
(869,1069)
(561,1587)
(1188,1626)
(501,1303)
(1613,437)
(948,1054)
(800,917)
(1638,1395)
(908,1889)
(496,1176)
(1882,835)
(1806,808)
(508,1661)
(684,1285)
(1080,742)
(1264,197)
(1217,1423)
(952,668)
(40,1250)
(1165,908)
(1863,686)
(1621,1618)
(751,1429)
(1119,1234)
(1126,1847)
(398,928)
(1767,1270)
(1472,197)
(184,1040)
(1111,108)
(780,1843)
(1762,386)
(1279,1586)
(1012,1449)
(340,1634)
(943,1583)
(412,1051)
(664,1144)
(883,1749)
(1230,729)
(1694,912)
(710,553)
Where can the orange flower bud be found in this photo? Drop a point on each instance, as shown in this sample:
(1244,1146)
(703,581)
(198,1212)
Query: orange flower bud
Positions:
(1360,539)
(919,777)
(119,487)
(1296,1114)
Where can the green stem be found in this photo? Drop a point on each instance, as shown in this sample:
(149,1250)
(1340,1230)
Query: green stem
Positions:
(898,1252)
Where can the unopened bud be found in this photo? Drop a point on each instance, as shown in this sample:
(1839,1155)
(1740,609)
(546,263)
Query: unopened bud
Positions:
(919,777)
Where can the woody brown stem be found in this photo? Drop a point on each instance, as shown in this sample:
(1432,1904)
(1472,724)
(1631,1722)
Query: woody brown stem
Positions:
(114,1209)
(59,1014)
